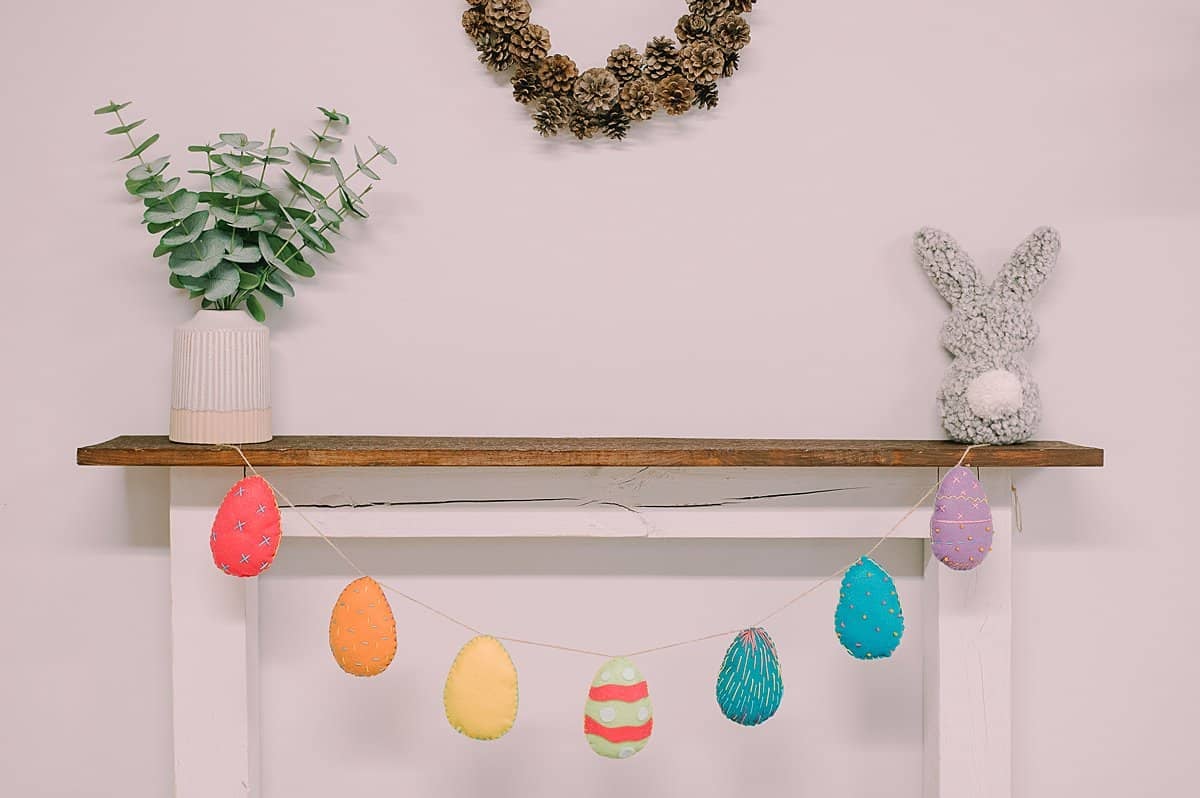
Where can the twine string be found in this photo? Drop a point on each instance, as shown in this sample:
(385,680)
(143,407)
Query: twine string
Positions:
(590,652)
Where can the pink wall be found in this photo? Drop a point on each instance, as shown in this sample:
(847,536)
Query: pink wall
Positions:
(742,273)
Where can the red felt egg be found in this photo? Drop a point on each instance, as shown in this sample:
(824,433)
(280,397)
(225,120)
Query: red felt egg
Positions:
(246,533)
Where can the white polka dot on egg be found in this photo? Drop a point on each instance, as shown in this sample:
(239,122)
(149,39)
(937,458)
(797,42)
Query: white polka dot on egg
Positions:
(627,674)
(643,713)
(608,714)
(626,752)
(605,676)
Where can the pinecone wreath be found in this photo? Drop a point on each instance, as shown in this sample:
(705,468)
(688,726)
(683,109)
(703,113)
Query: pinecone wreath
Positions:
(674,74)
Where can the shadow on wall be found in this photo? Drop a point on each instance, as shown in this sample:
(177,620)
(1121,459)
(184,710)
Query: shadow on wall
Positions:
(147,499)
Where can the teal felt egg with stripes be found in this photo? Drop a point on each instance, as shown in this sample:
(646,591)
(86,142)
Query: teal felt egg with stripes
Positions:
(750,686)
(868,619)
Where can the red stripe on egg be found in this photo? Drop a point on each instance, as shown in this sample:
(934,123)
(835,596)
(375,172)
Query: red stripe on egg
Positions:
(618,734)
(619,692)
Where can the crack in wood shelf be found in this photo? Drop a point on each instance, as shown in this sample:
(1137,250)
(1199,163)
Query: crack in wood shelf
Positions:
(356,451)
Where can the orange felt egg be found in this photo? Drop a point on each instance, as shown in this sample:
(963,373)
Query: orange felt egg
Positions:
(362,629)
(246,532)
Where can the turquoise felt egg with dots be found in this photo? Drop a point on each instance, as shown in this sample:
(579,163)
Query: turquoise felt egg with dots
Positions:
(750,686)
(869,621)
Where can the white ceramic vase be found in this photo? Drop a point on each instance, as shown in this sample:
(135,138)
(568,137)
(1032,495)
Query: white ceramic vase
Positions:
(221,379)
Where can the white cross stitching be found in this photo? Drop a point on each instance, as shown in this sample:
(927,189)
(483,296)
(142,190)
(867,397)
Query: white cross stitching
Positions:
(262,508)
(241,491)
(245,558)
(266,541)
(238,526)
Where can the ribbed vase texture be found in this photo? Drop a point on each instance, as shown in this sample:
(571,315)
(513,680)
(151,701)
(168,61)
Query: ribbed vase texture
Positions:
(221,379)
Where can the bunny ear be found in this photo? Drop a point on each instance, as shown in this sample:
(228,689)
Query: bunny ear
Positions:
(950,269)
(1029,265)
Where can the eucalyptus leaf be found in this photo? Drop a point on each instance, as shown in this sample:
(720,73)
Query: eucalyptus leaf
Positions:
(111,108)
(222,282)
(154,228)
(325,138)
(156,188)
(272,295)
(277,151)
(240,219)
(313,236)
(148,170)
(306,159)
(384,153)
(235,185)
(276,280)
(247,280)
(235,140)
(187,230)
(201,148)
(302,187)
(233,160)
(173,280)
(123,129)
(334,116)
(255,309)
(288,256)
(200,257)
(139,149)
(243,253)
(329,215)
(362,166)
(172,208)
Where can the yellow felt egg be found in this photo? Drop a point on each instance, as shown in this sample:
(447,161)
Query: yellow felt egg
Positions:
(481,690)
(362,629)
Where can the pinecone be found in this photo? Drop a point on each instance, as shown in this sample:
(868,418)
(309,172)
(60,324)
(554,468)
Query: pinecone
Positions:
(701,62)
(597,90)
(741,6)
(732,61)
(557,73)
(614,123)
(551,116)
(639,99)
(691,27)
(526,86)
(582,125)
(530,43)
(508,16)
(675,94)
(626,63)
(661,58)
(709,9)
(732,32)
(493,50)
(706,96)
(474,23)
(476,2)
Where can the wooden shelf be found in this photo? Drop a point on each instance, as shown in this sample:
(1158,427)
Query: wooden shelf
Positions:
(346,451)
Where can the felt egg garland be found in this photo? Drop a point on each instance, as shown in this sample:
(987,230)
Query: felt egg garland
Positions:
(868,620)
(481,690)
(749,685)
(362,629)
(960,531)
(618,716)
(246,532)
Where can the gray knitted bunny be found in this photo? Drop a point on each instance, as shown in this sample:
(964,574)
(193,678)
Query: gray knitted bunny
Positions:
(988,395)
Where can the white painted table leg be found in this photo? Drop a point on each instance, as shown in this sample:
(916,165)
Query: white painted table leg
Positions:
(968,665)
(214,642)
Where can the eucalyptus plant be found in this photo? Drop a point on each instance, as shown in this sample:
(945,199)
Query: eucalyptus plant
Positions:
(242,238)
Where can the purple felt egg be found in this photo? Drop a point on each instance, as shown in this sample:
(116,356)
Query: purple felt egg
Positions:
(961,527)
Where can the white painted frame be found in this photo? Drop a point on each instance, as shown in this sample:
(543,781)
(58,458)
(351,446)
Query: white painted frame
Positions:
(967,616)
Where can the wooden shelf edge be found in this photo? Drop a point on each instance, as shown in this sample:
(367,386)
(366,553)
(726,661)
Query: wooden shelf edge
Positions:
(333,451)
